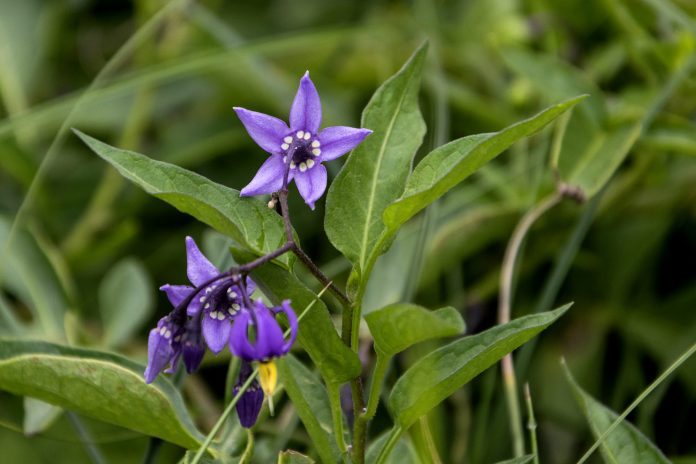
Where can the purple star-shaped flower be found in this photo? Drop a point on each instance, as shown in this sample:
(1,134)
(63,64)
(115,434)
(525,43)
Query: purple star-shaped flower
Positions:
(301,145)
(215,305)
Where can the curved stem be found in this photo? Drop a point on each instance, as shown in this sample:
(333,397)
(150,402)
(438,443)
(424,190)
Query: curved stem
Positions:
(378,374)
(337,414)
(504,304)
(392,440)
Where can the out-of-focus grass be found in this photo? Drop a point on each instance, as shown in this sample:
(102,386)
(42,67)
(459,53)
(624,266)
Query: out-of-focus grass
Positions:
(626,258)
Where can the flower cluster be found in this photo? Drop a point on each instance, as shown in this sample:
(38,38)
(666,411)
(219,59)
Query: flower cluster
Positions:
(216,311)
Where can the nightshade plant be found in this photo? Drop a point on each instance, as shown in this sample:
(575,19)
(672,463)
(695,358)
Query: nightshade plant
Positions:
(375,193)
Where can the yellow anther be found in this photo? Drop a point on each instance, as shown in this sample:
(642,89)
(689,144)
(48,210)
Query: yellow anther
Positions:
(268,377)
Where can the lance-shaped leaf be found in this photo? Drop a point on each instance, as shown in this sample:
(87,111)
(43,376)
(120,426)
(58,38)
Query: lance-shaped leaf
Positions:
(310,399)
(101,385)
(399,326)
(450,164)
(590,165)
(293,457)
(317,334)
(125,301)
(246,220)
(376,171)
(440,373)
(27,272)
(625,443)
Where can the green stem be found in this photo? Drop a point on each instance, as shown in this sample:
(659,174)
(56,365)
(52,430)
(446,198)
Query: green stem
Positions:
(504,310)
(392,440)
(637,401)
(378,374)
(337,414)
(531,423)
(220,422)
(360,425)
(429,442)
(249,450)
(86,439)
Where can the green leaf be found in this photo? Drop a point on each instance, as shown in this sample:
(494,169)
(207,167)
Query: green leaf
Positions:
(450,164)
(38,415)
(247,220)
(398,326)
(293,457)
(317,334)
(205,459)
(28,273)
(440,373)
(520,460)
(626,443)
(375,173)
(310,399)
(101,385)
(590,165)
(125,301)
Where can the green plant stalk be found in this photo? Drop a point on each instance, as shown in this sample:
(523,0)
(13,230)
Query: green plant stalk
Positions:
(86,439)
(249,450)
(392,440)
(434,457)
(531,423)
(376,383)
(686,355)
(504,310)
(337,415)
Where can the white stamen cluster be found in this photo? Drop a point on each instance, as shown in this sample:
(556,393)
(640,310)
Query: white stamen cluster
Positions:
(300,139)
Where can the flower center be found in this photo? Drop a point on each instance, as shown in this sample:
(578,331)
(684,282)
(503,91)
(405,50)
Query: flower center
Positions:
(303,149)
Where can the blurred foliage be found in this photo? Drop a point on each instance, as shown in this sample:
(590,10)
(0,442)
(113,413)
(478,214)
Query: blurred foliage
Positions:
(625,257)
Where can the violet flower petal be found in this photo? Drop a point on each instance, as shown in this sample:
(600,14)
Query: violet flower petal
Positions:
(269,335)
(215,331)
(198,268)
(338,140)
(305,113)
(267,131)
(268,179)
(239,338)
(193,356)
(292,321)
(159,354)
(176,293)
(311,184)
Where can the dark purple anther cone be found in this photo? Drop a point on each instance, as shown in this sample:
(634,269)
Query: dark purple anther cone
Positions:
(249,405)
(301,146)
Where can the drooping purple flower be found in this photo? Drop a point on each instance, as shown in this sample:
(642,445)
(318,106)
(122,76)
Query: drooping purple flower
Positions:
(301,145)
(269,341)
(161,348)
(215,305)
(249,405)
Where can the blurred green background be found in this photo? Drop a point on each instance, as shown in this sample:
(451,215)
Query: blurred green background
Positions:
(626,257)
